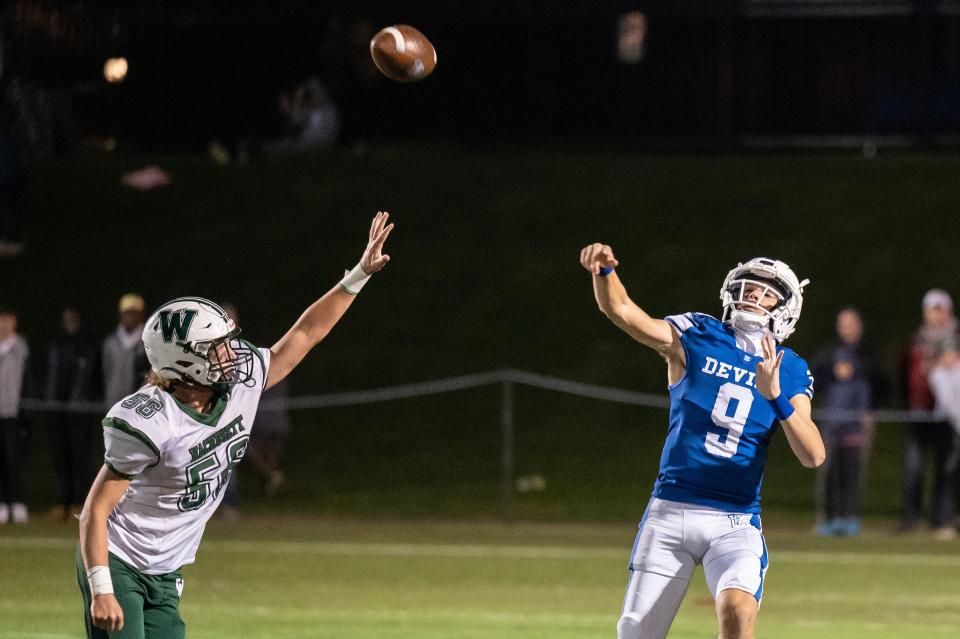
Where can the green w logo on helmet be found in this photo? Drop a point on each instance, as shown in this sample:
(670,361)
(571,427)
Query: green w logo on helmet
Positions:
(176,323)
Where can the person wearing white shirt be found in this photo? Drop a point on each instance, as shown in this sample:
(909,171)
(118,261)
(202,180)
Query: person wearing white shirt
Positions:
(14,355)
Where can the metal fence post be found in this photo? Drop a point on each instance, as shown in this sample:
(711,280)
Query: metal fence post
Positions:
(507,451)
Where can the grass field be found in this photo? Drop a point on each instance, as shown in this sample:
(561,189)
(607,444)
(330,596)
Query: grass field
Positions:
(365,579)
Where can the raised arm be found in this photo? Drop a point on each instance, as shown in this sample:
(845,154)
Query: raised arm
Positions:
(321,316)
(794,412)
(106,491)
(614,302)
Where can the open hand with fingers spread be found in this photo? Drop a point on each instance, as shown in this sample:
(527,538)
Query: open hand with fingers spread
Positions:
(374,258)
(768,371)
(597,256)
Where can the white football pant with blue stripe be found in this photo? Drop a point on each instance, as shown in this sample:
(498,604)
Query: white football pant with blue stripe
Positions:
(673,539)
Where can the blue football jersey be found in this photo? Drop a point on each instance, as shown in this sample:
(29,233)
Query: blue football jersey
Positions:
(720,425)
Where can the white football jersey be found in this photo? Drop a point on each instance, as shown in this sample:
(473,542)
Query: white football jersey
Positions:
(179,462)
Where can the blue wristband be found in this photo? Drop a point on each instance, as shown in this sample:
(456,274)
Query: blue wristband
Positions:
(782,407)
(604,271)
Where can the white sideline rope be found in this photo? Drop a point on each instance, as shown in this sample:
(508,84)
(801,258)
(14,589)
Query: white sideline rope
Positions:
(465,382)
(593,391)
(387,393)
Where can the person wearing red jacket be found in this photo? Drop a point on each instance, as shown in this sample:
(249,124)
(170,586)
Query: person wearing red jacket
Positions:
(936,339)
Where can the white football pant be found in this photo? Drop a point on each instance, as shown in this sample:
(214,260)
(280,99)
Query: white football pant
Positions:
(673,539)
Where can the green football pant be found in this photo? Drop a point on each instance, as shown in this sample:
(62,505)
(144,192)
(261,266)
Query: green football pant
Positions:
(150,603)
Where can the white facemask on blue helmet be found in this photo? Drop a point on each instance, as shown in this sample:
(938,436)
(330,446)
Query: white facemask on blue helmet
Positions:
(191,339)
(775,278)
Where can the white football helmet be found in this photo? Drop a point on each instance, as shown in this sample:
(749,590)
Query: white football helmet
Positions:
(183,341)
(777,279)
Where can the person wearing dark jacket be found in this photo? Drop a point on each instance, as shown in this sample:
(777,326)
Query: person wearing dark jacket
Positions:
(72,375)
(851,383)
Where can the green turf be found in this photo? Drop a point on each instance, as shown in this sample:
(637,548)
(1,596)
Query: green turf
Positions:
(366,579)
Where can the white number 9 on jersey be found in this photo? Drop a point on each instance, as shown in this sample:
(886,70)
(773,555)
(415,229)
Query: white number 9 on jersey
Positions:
(733,424)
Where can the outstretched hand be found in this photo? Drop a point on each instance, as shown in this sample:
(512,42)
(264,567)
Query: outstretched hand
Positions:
(374,258)
(768,371)
(597,256)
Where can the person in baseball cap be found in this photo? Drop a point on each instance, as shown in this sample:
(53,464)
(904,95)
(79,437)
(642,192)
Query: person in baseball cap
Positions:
(934,344)
(131,302)
(123,359)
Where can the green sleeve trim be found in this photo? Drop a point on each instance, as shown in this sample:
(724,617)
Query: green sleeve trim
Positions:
(117,472)
(119,424)
(263,365)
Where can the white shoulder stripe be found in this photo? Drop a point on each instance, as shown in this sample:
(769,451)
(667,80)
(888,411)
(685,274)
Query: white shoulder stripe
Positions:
(682,322)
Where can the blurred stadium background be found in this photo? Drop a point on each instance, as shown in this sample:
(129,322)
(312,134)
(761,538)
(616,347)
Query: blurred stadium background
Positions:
(690,135)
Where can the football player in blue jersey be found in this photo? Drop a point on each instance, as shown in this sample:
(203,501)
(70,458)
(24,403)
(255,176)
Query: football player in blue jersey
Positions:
(731,386)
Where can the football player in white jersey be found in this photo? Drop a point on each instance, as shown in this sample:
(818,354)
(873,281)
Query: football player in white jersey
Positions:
(171,447)
(732,386)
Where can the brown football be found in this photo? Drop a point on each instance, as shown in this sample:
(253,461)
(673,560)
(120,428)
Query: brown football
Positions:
(402,53)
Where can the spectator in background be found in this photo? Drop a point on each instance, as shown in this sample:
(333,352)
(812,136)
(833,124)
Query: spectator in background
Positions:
(123,359)
(851,383)
(270,437)
(945,386)
(312,118)
(935,340)
(72,376)
(14,359)
(273,424)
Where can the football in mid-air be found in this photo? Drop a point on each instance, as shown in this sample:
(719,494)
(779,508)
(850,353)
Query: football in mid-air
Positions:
(402,53)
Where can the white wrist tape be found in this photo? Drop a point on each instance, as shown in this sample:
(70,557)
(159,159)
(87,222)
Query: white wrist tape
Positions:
(354,280)
(99,579)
